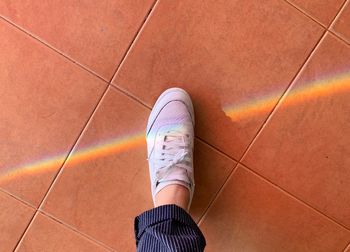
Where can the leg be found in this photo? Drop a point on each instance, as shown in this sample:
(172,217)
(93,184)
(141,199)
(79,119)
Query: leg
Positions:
(173,194)
(168,226)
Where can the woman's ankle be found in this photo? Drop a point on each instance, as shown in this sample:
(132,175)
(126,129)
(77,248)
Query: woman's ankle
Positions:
(173,194)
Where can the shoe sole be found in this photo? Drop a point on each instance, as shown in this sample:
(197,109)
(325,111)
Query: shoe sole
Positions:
(176,94)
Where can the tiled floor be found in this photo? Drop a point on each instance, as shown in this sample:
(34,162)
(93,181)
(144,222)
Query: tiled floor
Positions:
(270,82)
(341,26)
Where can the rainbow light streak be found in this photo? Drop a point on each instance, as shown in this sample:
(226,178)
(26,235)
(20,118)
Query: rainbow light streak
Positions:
(340,83)
(319,88)
(103,149)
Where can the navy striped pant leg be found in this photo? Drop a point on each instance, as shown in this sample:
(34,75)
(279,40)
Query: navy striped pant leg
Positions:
(167,228)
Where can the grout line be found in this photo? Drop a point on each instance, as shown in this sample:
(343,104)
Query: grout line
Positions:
(269,116)
(216,149)
(25,231)
(300,70)
(38,39)
(216,196)
(263,125)
(17,198)
(131,96)
(81,134)
(339,36)
(134,98)
(347,248)
(334,32)
(304,12)
(90,239)
(61,168)
(331,219)
(288,194)
(75,230)
(341,9)
(284,94)
(290,86)
(84,127)
(136,36)
(277,105)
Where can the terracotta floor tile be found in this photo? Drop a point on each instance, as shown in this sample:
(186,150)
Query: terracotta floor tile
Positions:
(342,24)
(323,11)
(45,102)
(102,196)
(252,215)
(45,234)
(211,170)
(14,218)
(94,33)
(305,147)
(227,54)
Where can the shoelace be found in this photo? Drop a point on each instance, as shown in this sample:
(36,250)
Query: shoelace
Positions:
(174,154)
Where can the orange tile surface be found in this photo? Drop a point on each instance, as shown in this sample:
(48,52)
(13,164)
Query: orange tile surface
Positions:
(45,102)
(211,171)
(252,215)
(94,33)
(224,58)
(304,147)
(46,234)
(14,219)
(342,24)
(323,11)
(78,79)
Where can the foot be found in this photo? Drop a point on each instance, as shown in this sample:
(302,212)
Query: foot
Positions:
(170,132)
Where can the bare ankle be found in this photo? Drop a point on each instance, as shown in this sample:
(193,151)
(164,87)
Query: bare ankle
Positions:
(173,194)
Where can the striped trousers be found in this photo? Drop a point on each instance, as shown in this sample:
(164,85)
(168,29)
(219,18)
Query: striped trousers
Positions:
(167,228)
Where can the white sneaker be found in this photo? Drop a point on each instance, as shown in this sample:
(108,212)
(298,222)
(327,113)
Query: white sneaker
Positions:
(170,132)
